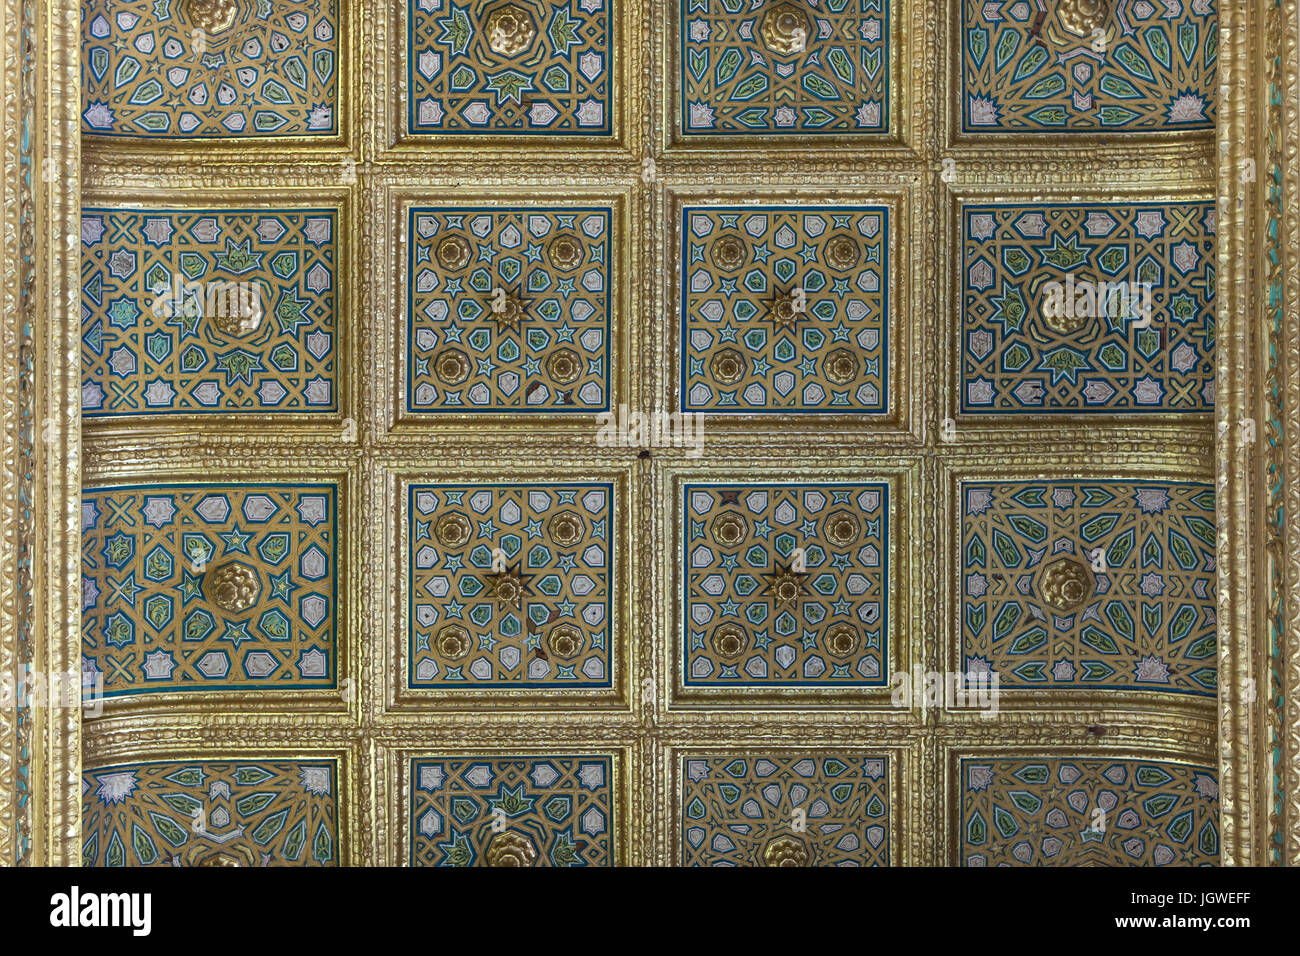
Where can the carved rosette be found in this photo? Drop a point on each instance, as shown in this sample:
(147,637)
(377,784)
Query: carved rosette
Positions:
(565,641)
(730,528)
(841,366)
(1065,583)
(235,587)
(566,253)
(511,848)
(727,366)
(452,366)
(843,253)
(785,851)
(211,15)
(510,30)
(240,313)
(728,253)
(564,366)
(566,528)
(453,253)
(1081,17)
(730,641)
(454,642)
(785,28)
(453,530)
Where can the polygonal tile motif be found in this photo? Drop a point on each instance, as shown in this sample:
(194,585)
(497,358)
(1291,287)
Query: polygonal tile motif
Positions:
(1090,584)
(810,809)
(784,308)
(1081,66)
(209,69)
(1065,811)
(512,811)
(511,586)
(203,311)
(785,585)
(209,587)
(1087,307)
(802,67)
(516,68)
(510,310)
(211,813)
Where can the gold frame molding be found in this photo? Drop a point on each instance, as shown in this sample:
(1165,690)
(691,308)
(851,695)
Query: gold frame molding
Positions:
(415,706)
(145,193)
(1251,167)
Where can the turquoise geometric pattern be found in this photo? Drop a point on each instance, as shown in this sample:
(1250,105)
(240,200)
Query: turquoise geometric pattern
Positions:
(807,809)
(1088,307)
(511,586)
(518,68)
(211,813)
(202,311)
(1090,584)
(784,308)
(1054,811)
(209,587)
(512,811)
(510,310)
(785,585)
(209,69)
(1076,66)
(802,67)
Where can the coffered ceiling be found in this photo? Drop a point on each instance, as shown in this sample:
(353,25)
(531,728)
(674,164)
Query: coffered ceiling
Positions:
(401,542)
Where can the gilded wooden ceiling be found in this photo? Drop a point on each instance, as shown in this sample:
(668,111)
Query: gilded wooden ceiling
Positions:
(706,432)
